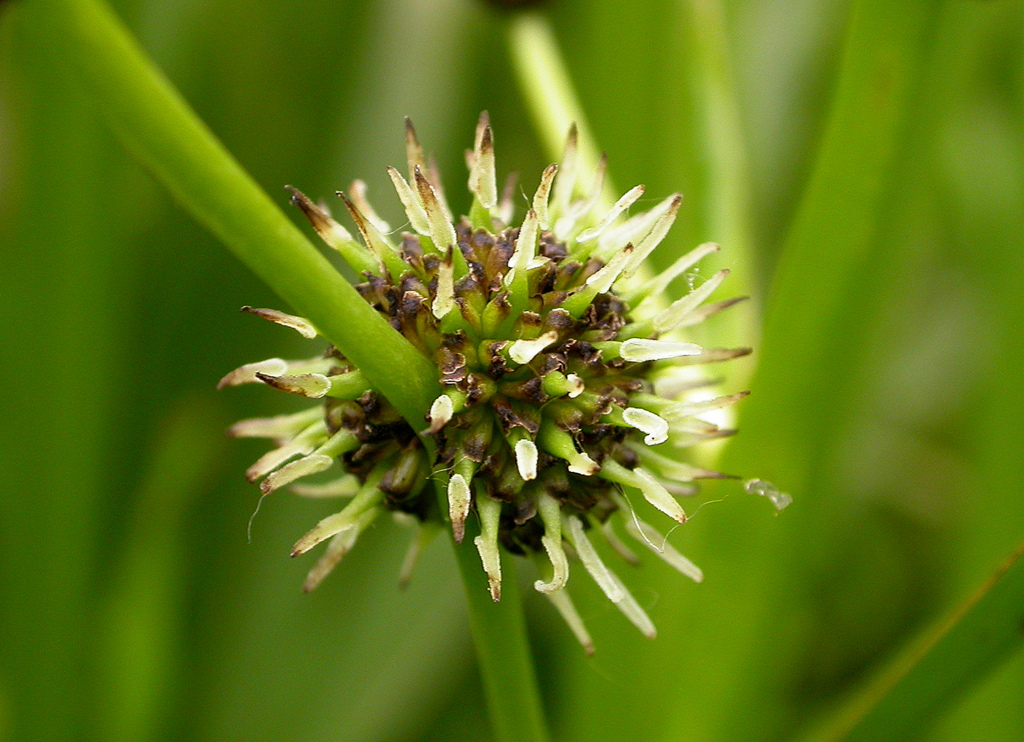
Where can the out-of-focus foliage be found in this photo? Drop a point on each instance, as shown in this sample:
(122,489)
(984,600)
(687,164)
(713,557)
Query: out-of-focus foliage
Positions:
(131,605)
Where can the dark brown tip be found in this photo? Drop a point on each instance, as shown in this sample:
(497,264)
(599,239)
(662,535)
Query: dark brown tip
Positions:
(357,217)
(317,217)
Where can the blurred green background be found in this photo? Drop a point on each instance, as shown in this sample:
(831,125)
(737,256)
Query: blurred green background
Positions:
(887,244)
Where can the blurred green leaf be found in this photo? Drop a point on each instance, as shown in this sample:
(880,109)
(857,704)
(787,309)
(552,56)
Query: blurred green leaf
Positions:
(942,667)
(60,303)
(139,651)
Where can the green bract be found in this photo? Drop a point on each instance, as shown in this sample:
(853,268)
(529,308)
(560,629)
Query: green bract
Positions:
(569,381)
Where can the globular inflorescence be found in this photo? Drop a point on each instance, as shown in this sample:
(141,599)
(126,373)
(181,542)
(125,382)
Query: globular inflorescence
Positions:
(569,381)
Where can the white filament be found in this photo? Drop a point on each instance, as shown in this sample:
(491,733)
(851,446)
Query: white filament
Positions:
(640,350)
(655,427)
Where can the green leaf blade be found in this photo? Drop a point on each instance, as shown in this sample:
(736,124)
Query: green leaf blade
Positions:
(946,664)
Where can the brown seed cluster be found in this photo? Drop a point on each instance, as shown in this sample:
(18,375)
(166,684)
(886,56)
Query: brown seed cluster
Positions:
(501,396)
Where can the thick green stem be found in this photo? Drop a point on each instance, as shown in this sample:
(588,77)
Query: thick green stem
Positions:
(166,135)
(499,633)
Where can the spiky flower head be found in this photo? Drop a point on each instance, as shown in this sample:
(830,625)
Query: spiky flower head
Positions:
(566,377)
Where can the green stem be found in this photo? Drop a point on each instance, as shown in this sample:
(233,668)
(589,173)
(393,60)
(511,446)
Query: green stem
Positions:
(502,648)
(164,133)
(548,89)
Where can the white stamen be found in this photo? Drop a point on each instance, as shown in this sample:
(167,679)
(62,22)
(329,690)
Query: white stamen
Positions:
(654,237)
(313,386)
(653,491)
(458,505)
(340,545)
(563,604)
(312,464)
(578,385)
(689,409)
(301,325)
(280,426)
(627,200)
(441,412)
(658,496)
(441,230)
(368,497)
(632,610)
(591,561)
(444,300)
(631,230)
(603,279)
(487,543)
(278,456)
(640,350)
(526,459)
(524,351)
(583,464)
(247,374)
(374,237)
(413,208)
(551,515)
(434,176)
(526,248)
(484,181)
(646,421)
(676,314)
(540,198)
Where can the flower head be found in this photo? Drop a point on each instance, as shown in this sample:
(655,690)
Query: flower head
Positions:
(567,377)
